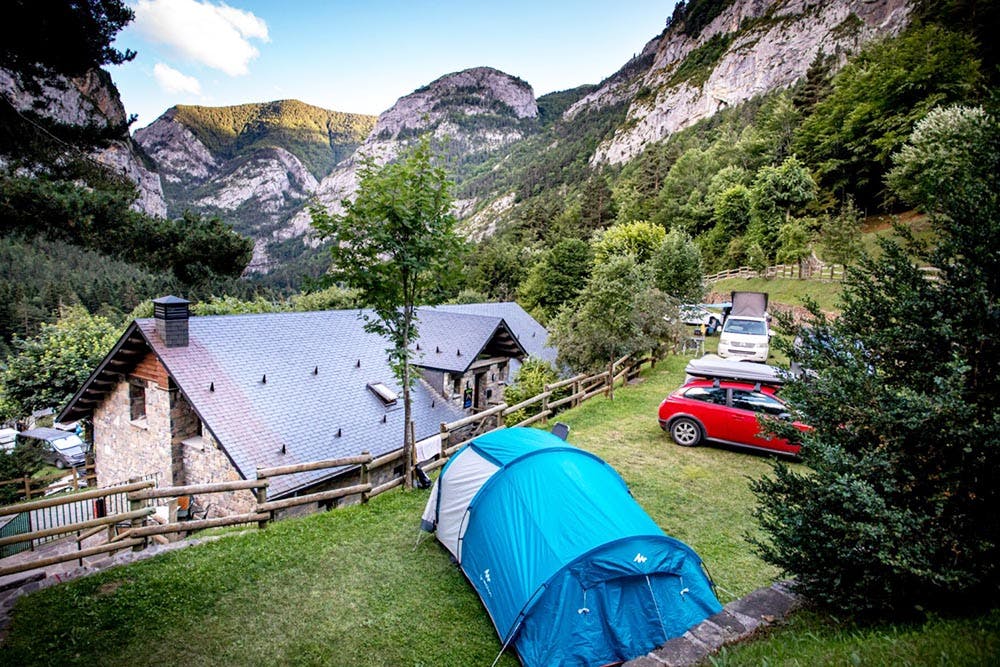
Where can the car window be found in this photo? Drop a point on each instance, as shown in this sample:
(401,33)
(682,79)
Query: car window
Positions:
(739,326)
(716,395)
(757,402)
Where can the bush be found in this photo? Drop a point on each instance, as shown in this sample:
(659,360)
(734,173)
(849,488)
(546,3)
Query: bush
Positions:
(898,513)
(531,379)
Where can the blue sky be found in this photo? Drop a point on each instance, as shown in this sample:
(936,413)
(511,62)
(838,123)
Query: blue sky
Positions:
(358,56)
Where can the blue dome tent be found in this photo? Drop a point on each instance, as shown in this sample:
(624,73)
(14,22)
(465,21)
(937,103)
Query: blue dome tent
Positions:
(570,568)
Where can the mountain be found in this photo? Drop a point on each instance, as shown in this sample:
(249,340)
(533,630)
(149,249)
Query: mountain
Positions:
(712,56)
(748,49)
(88,104)
(469,113)
(250,164)
(507,151)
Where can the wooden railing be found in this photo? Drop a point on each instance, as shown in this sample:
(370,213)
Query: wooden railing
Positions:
(813,271)
(31,487)
(140,523)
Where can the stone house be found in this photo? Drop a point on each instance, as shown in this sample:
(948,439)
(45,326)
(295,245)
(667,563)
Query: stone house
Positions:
(192,400)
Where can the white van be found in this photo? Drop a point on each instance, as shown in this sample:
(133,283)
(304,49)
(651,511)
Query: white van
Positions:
(745,338)
(745,333)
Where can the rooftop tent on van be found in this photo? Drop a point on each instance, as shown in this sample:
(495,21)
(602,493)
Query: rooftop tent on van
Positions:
(569,567)
(748,304)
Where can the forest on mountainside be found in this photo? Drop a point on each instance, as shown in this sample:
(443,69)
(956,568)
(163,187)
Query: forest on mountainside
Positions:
(785,175)
(68,232)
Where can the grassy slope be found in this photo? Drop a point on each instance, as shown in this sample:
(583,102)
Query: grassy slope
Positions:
(346,587)
(349,588)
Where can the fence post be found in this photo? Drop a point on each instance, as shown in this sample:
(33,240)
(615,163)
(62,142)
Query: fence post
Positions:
(610,392)
(261,494)
(545,407)
(576,390)
(135,505)
(445,439)
(365,476)
(27,488)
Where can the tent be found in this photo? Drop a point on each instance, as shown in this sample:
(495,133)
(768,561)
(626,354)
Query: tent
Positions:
(570,568)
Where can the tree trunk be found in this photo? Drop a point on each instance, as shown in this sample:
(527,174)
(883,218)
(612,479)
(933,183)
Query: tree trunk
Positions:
(407,431)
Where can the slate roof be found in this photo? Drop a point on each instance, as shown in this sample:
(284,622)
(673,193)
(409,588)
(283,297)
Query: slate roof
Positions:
(294,380)
(532,336)
(450,341)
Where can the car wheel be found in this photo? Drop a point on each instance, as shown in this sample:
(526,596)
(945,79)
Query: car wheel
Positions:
(60,464)
(685,432)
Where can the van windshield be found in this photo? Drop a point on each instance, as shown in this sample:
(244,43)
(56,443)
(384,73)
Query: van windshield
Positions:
(737,325)
(70,442)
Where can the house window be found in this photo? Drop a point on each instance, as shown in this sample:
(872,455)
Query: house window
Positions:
(137,399)
(456,386)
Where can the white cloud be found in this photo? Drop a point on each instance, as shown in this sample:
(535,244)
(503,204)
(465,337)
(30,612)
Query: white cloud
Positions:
(215,35)
(172,81)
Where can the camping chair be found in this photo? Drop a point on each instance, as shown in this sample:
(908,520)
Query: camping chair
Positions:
(187,509)
(560,430)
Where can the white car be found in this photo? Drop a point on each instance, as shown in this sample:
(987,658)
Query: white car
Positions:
(696,316)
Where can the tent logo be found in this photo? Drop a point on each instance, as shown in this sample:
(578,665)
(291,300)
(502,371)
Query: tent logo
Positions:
(639,558)
(485,578)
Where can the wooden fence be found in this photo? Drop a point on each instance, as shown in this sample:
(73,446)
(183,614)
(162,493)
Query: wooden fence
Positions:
(30,487)
(139,525)
(812,271)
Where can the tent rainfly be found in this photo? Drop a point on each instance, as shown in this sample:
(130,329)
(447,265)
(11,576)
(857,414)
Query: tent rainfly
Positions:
(570,568)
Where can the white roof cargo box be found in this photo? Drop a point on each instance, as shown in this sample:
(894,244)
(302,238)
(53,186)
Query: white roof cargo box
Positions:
(712,366)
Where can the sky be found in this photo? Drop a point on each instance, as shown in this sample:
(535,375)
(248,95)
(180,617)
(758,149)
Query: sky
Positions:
(360,56)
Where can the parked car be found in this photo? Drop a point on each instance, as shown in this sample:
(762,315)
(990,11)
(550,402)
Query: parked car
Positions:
(59,448)
(725,412)
(696,315)
(746,338)
(746,332)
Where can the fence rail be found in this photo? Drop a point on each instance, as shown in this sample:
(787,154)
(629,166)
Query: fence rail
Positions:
(137,524)
(808,271)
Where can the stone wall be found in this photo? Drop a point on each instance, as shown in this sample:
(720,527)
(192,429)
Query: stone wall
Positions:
(124,449)
(491,378)
(205,462)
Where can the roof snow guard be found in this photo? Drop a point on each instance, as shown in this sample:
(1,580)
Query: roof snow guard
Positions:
(570,568)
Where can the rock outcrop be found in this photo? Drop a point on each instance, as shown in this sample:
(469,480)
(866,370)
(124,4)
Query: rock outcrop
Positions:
(769,45)
(468,112)
(253,165)
(88,102)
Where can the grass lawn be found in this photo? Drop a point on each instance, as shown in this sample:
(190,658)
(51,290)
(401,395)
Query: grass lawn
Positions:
(350,587)
(788,291)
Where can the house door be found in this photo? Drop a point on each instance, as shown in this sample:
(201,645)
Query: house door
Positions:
(480,385)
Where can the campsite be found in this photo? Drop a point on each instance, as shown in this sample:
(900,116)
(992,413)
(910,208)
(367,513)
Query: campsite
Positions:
(355,587)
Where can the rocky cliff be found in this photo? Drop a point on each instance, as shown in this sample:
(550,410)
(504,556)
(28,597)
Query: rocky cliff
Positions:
(467,113)
(253,165)
(91,103)
(751,47)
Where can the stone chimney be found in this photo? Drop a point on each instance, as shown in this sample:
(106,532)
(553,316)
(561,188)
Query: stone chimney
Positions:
(171,314)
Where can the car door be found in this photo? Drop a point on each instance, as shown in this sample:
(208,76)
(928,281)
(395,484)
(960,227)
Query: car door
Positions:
(710,408)
(746,406)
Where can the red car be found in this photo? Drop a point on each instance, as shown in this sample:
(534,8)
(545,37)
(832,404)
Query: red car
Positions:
(725,411)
